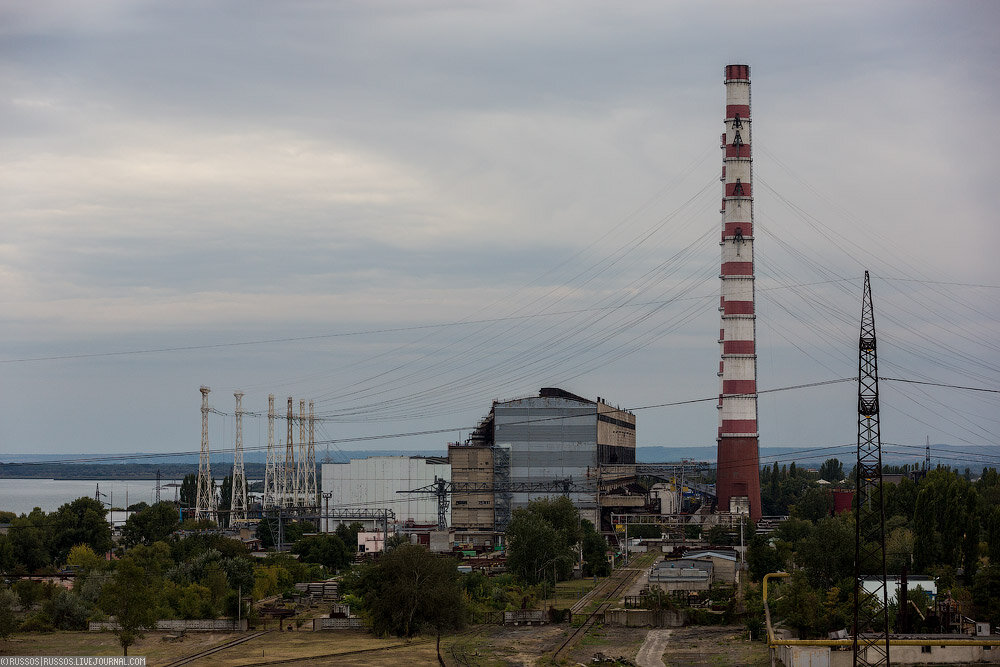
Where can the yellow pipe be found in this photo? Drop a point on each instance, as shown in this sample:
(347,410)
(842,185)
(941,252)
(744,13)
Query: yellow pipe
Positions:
(771,641)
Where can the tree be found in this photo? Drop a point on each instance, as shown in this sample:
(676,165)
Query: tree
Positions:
(327,550)
(152,524)
(189,490)
(82,521)
(410,589)
(29,536)
(813,505)
(800,606)
(8,612)
(129,597)
(535,549)
(595,552)
(225,500)
(83,559)
(349,534)
(66,611)
(763,558)
(832,470)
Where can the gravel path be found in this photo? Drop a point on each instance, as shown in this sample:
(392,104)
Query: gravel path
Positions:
(651,653)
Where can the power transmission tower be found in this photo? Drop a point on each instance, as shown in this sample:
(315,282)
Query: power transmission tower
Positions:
(300,474)
(871,619)
(157,486)
(312,492)
(204,507)
(238,502)
(271,485)
(288,474)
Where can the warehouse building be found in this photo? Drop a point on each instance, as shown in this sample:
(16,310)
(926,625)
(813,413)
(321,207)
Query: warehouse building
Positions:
(526,447)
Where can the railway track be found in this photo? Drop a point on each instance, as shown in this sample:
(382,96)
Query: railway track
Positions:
(613,588)
(216,649)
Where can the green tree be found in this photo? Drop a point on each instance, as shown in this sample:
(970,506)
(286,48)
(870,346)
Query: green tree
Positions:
(832,470)
(827,555)
(800,606)
(29,536)
(925,537)
(595,552)
(152,524)
(225,500)
(82,521)
(84,559)
(349,534)
(986,593)
(814,504)
(327,550)
(130,598)
(66,611)
(763,558)
(535,549)
(410,589)
(189,490)
(8,612)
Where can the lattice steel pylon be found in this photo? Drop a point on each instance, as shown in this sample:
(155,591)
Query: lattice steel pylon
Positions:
(311,490)
(271,483)
(204,506)
(238,501)
(871,618)
(289,482)
(301,497)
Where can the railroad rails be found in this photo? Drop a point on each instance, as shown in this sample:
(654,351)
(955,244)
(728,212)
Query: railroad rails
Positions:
(611,589)
(216,649)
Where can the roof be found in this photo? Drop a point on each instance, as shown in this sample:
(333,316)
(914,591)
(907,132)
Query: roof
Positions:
(713,553)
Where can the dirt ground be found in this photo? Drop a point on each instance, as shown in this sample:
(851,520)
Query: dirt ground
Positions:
(154,646)
(712,646)
(480,646)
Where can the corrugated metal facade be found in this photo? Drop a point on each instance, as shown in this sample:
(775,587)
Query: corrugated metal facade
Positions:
(552,438)
(373,483)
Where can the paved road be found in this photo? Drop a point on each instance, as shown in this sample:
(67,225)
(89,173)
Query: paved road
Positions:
(651,653)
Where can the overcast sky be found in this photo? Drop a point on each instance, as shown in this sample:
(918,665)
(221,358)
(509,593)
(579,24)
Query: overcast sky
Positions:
(488,198)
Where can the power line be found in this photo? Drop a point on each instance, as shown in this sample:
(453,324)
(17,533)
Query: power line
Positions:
(940,384)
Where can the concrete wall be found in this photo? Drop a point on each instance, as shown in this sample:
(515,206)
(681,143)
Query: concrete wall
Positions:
(645,618)
(338,624)
(194,625)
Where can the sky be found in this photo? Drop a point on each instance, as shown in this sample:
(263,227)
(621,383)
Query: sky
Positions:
(404,211)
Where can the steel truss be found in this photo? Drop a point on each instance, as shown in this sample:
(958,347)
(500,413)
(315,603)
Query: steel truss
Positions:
(871,619)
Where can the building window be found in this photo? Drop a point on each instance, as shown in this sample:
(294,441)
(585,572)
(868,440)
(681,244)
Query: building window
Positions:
(926,649)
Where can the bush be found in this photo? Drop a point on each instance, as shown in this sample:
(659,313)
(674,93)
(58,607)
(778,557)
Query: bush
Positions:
(66,611)
(37,622)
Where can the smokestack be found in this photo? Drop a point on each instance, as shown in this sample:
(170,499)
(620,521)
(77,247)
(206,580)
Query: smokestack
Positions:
(738,478)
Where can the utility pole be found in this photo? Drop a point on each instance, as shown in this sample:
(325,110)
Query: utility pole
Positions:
(871,619)
(204,507)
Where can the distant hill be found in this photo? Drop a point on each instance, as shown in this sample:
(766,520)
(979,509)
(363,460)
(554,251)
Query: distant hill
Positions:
(144,466)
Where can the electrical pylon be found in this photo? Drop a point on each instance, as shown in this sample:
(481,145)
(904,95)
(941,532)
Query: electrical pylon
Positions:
(204,506)
(238,502)
(871,618)
(312,493)
(288,480)
(301,497)
(271,485)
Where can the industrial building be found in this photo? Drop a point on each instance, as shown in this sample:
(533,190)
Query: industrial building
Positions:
(375,483)
(553,444)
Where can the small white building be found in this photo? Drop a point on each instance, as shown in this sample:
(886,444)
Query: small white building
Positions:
(892,586)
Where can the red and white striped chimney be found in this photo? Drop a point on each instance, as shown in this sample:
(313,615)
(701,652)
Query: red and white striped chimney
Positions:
(738,477)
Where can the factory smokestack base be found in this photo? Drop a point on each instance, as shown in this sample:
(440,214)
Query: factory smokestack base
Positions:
(738,477)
